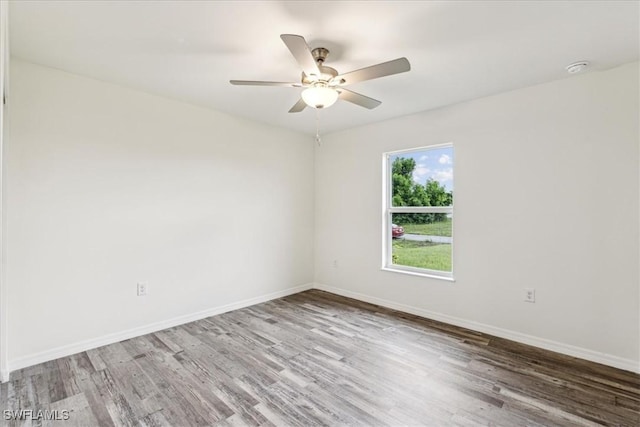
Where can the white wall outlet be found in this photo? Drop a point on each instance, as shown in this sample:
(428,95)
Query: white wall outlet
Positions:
(335,263)
(142,288)
(530,295)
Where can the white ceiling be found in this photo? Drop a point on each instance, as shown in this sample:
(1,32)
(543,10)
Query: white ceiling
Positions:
(190,50)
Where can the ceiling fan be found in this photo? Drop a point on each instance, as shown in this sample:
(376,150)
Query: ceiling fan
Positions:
(324,85)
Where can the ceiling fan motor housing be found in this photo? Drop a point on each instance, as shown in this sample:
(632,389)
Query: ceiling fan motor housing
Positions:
(326,74)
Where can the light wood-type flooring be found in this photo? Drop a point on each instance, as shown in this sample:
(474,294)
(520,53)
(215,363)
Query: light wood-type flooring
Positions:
(319,359)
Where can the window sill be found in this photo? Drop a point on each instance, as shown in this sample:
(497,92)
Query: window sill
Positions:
(418,273)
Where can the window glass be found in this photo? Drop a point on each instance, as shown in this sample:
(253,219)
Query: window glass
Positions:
(419,210)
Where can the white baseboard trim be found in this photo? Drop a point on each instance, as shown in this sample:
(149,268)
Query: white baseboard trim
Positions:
(81,346)
(67,350)
(558,347)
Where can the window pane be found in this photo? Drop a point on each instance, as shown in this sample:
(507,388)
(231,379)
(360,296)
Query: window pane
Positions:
(422,240)
(422,178)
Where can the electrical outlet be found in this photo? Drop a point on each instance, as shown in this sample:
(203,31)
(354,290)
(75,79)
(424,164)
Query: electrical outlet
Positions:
(335,263)
(530,295)
(142,288)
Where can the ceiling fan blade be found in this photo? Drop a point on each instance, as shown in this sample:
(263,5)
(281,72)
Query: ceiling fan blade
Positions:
(301,52)
(396,66)
(259,83)
(298,107)
(356,98)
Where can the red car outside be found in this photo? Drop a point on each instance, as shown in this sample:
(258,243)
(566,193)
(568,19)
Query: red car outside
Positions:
(397,231)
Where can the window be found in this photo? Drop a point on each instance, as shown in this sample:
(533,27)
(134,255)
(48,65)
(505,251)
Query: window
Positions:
(418,211)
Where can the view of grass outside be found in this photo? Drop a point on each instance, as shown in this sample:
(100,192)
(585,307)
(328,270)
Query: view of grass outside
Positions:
(423,245)
(432,256)
(440,228)
(422,179)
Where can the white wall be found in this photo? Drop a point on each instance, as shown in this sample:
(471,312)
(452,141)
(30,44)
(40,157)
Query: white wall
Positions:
(546,197)
(4,79)
(108,186)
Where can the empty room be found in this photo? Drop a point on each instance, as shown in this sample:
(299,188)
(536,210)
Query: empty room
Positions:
(319,213)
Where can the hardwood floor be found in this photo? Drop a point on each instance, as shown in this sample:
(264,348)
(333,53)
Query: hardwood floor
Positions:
(318,359)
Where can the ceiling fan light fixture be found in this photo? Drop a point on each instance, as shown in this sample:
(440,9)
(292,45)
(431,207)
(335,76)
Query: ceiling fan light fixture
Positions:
(319,96)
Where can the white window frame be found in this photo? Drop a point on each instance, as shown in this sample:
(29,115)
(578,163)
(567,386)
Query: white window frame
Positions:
(388,210)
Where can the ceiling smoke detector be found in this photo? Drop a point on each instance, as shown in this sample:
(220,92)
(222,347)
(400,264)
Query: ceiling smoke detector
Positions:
(577,67)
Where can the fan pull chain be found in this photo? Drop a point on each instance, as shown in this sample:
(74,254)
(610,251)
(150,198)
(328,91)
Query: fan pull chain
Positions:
(318,140)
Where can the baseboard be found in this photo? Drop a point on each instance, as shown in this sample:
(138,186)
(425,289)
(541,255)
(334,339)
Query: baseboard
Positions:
(79,347)
(558,347)
(67,350)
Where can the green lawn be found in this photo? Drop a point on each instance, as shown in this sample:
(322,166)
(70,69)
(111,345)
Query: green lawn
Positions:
(433,256)
(439,228)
